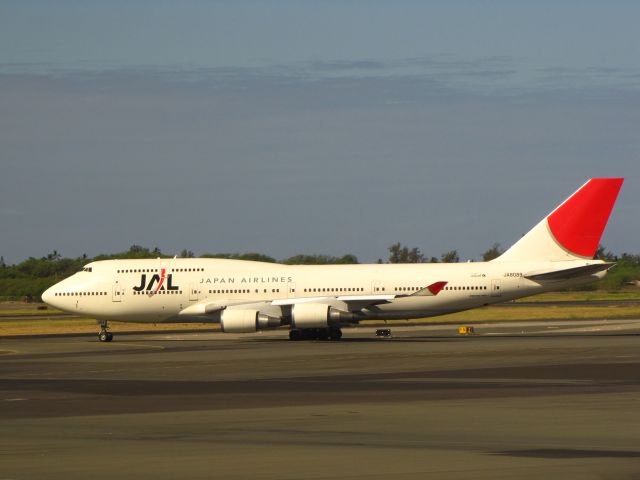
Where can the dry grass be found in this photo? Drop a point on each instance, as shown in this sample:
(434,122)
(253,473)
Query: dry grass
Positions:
(544,312)
(630,294)
(487,314)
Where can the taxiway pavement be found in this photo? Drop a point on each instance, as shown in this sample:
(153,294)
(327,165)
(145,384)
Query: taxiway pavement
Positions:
(526,400)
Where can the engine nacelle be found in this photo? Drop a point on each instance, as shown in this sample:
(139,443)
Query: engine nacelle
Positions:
(318,315)
(245,321)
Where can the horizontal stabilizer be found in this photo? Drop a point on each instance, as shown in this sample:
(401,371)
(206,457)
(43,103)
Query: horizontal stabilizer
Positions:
(569,273)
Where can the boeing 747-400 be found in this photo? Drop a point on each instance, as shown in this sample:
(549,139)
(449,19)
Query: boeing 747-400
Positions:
(315,302)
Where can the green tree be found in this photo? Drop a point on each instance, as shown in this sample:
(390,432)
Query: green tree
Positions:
(347,259)
(320,260)
(626,271)
(402,254)
(493,252)
(603,254)
(252,256)
(54,256)
(450,257)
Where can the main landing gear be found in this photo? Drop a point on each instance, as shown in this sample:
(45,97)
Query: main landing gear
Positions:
(105,335)
(331,333)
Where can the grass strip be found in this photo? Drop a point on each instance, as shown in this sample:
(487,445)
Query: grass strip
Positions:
(486,314)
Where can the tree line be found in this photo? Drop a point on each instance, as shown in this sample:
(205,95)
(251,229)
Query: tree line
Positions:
(29,278)
(399,253)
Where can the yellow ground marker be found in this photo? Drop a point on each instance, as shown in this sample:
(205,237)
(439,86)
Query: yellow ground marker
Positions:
(466,330)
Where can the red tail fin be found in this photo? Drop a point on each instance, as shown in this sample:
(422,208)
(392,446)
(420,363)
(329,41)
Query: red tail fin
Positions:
(579,222)
(573,230)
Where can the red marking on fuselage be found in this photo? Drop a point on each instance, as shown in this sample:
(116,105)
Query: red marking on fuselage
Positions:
(162,273)
(435,288)
(162,276)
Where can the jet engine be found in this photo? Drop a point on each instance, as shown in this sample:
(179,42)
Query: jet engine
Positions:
(318,315)
(245,321)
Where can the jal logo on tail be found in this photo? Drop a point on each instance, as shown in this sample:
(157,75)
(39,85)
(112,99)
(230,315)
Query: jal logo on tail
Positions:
(156,283)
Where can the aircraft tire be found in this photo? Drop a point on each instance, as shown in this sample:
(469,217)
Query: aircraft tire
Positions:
(295,334)
(335,333)
(103,336)
(309,334)
(323,334)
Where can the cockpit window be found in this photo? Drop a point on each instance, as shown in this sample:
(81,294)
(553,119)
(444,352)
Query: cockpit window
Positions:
(86,269)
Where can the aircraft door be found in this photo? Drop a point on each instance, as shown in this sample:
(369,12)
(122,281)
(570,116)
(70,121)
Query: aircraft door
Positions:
(291,290)
(495,288)
(376,287)
(117,292)
(193,292)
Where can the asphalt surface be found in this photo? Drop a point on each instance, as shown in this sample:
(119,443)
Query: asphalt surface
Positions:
(526,400)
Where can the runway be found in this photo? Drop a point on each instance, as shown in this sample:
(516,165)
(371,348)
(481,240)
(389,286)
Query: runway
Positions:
(560,400)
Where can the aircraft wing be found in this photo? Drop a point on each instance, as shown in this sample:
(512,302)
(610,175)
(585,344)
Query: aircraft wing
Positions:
(209,307)
(353,302)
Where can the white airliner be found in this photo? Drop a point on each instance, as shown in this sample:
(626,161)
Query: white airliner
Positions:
(314,302)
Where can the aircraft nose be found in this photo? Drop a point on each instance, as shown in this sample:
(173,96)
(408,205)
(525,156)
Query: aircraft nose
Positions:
(48,296)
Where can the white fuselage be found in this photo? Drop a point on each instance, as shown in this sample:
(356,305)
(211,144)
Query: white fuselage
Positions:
(159,290)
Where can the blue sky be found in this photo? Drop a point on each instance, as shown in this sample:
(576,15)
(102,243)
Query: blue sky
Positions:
(310,127)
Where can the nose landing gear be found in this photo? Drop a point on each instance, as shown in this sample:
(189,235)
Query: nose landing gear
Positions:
(105,335)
